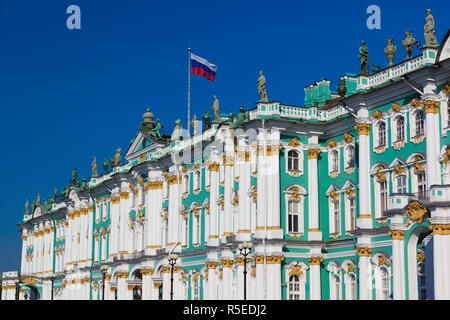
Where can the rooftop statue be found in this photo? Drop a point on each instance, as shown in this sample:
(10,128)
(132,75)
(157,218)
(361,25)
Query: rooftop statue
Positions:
(115,161)
(27,209)
(105,165)
(176,134)
(375,68)
(342,88)
(74,176)
(207,119)
(390,51)
(409,44)
(94,168)
(216,110)
(55,193)
(262,88)
(84,184)
(147,124)
(38,200)
(155,133)
(33,205)
(429,33)
(241,117)
(364,59)
(194,124)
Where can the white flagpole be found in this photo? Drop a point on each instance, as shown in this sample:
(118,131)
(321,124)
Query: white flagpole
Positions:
(189,92)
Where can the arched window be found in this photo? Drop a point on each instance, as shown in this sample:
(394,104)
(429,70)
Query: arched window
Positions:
(422,281)
(400,129)
(384,282)
(352,284)
(383,195)
(401,184)
(197,180)
(334,161)
(336,216)
(195,290)
(350,157)
(420,123)
(294,287)
(293,161)
(381,134)
(293,216)
(336,287)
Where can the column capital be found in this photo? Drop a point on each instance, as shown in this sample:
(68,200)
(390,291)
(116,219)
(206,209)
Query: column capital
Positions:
(397,234)
(124,194)
(147,272)
(240,261)
(227,263)
(441,229)
(313,261)
(211,264)
(363,128)
(165,269)
(364,251)
(274,259)
(313,153)
(431,106)
(214,166)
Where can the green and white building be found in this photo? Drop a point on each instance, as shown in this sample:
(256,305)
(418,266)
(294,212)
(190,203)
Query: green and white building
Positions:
(346,197)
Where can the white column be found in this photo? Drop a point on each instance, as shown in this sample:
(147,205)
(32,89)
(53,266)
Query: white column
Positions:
(240,277)
(147,286)
(273,276)
(122,289)
(114,234)
(154,213)
(314,232)
(260,290)
(227,264)
(364,273)
(432,142)
(261,186)
(315,293)
(175,181)
(398,263)
(213,239)
(273,185)
(212,279)
(228,162)
(124,206)
(243,232)
(365,213)
(166,282)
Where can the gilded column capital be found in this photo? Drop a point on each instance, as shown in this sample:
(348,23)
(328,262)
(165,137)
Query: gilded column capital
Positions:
(176,269)
(243,156)
(165,269)
(175,179)
(124,194)
(115,200)
(441,229)
(260,150)
(363,128)
(227,263)
(274,259)
(313,153)
(313,261)
(397,234)
(228,161)
(211,264)
(364,251)
(431,106)
(259,259)
(214,166)
(272,150)
(121,275)
(240,261)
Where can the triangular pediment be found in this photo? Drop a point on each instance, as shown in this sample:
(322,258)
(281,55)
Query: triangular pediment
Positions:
(141,144)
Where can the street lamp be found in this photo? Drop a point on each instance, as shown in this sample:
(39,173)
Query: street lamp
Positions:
(104,269)
(172,261)
(52,278)
(245,248)
(17,288)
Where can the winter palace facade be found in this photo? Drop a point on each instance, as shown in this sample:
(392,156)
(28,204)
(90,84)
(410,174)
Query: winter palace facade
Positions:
(347,197)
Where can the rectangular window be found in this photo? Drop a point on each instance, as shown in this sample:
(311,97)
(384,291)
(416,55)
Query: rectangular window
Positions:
(421,185)
(383,196)
(401,184)
(293,213)
(352,205)
(337,222)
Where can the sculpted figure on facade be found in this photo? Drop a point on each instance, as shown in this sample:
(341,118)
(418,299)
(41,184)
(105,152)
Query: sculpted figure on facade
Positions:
(194,124)
(390,51)
(364,58)
(216,110)
(176,134)
(207,119)
(262,88)
(429,32)
(409,43)
(94,168)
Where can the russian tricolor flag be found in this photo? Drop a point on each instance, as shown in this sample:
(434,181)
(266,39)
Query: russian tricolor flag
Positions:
(203,68)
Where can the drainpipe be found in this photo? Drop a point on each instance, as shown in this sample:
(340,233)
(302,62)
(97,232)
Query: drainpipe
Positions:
(356,202)
(93,242)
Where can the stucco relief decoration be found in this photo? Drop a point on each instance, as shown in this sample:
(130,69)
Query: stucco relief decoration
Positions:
(398,170)
(296,270)
(332,144)
(377,114)
(348,138)
(446,157)
(396,107)
(415,103)
(446,87)
(295,194)
(417,165)
(416,212)
(294,143)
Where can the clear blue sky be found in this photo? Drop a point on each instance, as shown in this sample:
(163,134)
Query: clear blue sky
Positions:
(66,96)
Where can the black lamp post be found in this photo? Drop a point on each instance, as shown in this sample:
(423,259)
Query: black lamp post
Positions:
(172,261)
(245,249)
(104,270)
(52,278)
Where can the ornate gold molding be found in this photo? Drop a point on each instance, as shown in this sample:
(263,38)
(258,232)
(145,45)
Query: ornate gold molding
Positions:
(228,161)
(380,176)
(396,107)
(441,229)
(334,195)
(165,269)
(275,259)
(417,165)
(227,263)
(124,195)
(211,264)
(420,256)
(296,270)
(397,234)
(315,260)
(175,179)
(214,166)
(350,192)
(121,275)
(416,212)
(348,138)
(431,106)
(313,153)
(294,142)
(363,128)
(415,103)
(399,170)
(377,114)
(364,251)
(115,200)
(331,143)
(446,87)
(272,150)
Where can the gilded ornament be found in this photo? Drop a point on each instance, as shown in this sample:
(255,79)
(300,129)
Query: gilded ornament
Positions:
(350,192)
(431,106)
(211,264)
(332,144)
(315,260)
(214,166)
(227,263)
(294,142)
(399,170)
(143,156)
(363,128)
(420,256)
(441,229)
(334,195)
(348,138)
(228,161)
(417,165)
(396,107)
(415,103)
(381,260)
(124,195)
(313,153)
(377,114)
(165,269)
(416,212)
(446,87)
(364,251)
(296,270)
(380,176)
(446,157)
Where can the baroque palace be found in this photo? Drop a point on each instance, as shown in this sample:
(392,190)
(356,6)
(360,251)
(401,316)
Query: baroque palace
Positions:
(346,197)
